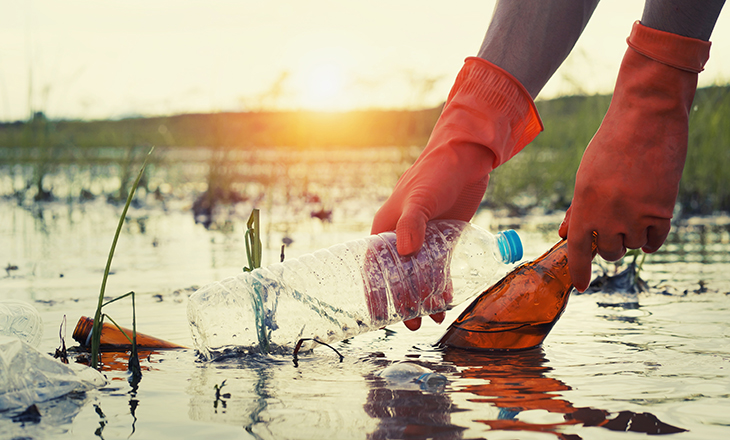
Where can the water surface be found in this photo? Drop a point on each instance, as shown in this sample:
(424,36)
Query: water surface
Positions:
(613,366)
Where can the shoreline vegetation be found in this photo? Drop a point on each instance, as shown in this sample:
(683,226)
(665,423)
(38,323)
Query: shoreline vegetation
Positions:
(542,175)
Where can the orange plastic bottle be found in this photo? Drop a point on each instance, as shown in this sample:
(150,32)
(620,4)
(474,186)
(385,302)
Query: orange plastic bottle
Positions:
(520,310)
(112,337)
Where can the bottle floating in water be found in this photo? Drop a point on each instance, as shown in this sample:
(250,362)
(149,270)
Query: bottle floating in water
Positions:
(21,319)
(111,338)
(520,310)
(407,375)
(348,289)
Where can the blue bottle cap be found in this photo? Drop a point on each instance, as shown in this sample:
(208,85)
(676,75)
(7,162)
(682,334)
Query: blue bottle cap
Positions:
(510,246)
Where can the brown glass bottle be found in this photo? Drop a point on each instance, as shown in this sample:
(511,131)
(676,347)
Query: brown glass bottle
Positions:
(520,310)
(111,337)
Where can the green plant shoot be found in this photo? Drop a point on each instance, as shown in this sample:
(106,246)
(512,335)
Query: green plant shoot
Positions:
(96,329)
(133,366)
(253,242)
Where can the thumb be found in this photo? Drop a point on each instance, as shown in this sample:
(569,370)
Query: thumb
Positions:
(563,229)
(410,231)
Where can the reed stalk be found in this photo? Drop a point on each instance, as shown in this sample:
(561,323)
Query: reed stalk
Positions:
(96,329)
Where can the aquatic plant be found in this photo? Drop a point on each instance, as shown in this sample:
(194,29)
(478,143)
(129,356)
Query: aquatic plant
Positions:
(253,242)
(98,316)
(134,366)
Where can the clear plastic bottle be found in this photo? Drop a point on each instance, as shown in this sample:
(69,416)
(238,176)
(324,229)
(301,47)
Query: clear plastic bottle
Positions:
(21,319)
(348,289)
(407,375)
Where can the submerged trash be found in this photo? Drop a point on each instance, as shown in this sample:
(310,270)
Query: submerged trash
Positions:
(407,375)
(626,281)
(111,337)
(620,290)
(28,376)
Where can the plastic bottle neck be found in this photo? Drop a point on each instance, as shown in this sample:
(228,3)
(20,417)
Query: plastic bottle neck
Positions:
(510,246)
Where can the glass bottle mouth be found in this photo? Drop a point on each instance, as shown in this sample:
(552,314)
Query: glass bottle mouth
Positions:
(510,246)
(82,332)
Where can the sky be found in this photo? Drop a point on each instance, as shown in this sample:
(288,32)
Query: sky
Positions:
(90,59)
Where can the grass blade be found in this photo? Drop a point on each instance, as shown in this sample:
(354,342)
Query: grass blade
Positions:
(253,242)
(96,329)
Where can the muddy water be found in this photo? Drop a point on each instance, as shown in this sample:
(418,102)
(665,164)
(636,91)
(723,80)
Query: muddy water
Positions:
(614,366)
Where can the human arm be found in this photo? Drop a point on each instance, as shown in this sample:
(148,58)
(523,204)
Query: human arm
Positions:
(531,39)
(528,40)
(627,184)
(488,117)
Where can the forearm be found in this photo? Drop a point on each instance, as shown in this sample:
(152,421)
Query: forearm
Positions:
(531,38)
(689,18)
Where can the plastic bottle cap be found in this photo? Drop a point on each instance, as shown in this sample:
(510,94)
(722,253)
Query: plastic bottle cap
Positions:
(510,246)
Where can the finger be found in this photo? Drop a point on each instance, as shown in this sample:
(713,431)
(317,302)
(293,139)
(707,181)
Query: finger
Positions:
(413,324)
(410,231)
(580,256)
(636,239)
(439,317)
(611,246)
(385,219)
(656,234)
(563,229)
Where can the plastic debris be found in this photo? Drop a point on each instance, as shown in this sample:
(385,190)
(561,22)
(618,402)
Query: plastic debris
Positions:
(28,376)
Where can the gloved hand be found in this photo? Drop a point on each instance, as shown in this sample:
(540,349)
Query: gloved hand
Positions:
(628,179)
(488,118)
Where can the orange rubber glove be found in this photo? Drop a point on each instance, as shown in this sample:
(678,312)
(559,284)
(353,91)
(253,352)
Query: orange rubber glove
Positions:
(628,179)
(488,118)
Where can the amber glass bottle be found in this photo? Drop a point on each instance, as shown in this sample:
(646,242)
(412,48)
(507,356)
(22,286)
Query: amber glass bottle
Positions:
(111,337)
(520,310)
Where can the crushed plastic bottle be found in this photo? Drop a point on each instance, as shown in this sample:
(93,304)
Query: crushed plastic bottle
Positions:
(348,289)
(407,375)
(21,319)
(28,376)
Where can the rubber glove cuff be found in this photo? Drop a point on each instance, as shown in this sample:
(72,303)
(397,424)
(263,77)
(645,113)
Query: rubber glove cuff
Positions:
(488,92)
(674,50)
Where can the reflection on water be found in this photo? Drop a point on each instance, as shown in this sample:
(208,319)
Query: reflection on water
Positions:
(655,361)
(518,383)
(44,420)
(501,389)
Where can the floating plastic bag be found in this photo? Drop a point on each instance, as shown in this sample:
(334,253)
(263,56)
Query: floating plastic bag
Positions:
(28,376)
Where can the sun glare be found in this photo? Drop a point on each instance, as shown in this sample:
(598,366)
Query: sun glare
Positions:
(323,85)
(320,81)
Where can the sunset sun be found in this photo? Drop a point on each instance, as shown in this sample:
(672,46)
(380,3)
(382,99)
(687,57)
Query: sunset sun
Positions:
(323,85)
(321,81)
